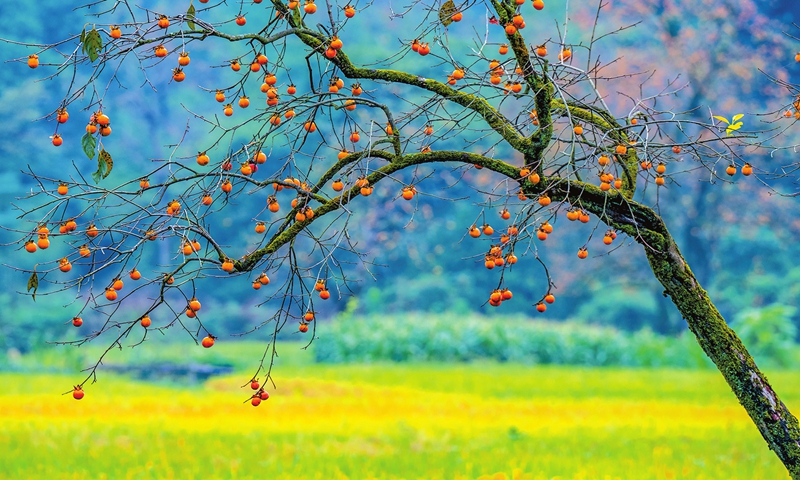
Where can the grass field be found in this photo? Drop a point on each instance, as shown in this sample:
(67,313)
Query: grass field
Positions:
(489,421)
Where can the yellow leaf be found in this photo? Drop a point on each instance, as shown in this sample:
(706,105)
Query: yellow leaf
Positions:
(737,117)
(446,12)
(721,119)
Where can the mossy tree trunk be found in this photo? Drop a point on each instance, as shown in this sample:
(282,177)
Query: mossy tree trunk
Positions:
(777,425)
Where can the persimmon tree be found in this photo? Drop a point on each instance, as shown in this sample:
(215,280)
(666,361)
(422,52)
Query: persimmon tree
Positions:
(298,129)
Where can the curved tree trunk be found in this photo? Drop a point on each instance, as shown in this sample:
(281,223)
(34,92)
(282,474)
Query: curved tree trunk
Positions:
(777,425)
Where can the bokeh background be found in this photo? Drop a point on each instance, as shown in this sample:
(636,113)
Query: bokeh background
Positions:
(410,376)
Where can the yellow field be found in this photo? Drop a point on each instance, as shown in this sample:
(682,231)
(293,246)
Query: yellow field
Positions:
(390,421)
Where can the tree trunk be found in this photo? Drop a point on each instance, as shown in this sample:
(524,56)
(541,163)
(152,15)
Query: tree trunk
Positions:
(777,425)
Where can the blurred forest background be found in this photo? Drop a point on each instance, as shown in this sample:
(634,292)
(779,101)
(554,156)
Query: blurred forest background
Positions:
(740,240)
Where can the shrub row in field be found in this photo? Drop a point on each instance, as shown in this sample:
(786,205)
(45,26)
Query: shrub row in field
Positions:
(448,338)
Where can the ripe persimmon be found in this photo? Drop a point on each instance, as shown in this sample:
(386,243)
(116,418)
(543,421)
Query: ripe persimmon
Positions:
(544,200)
(194,304)
(77,321)
(77,392)
(135,274)
(64,265)
(208,341)
(202,159)
(145,321)
(43,242)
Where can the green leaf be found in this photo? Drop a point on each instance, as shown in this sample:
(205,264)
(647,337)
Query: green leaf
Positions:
(721,119)
(104,165)
(89,143)
(190,16)
(737,117)
(446,12)
(92,44)
(83,35)
(33,283)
